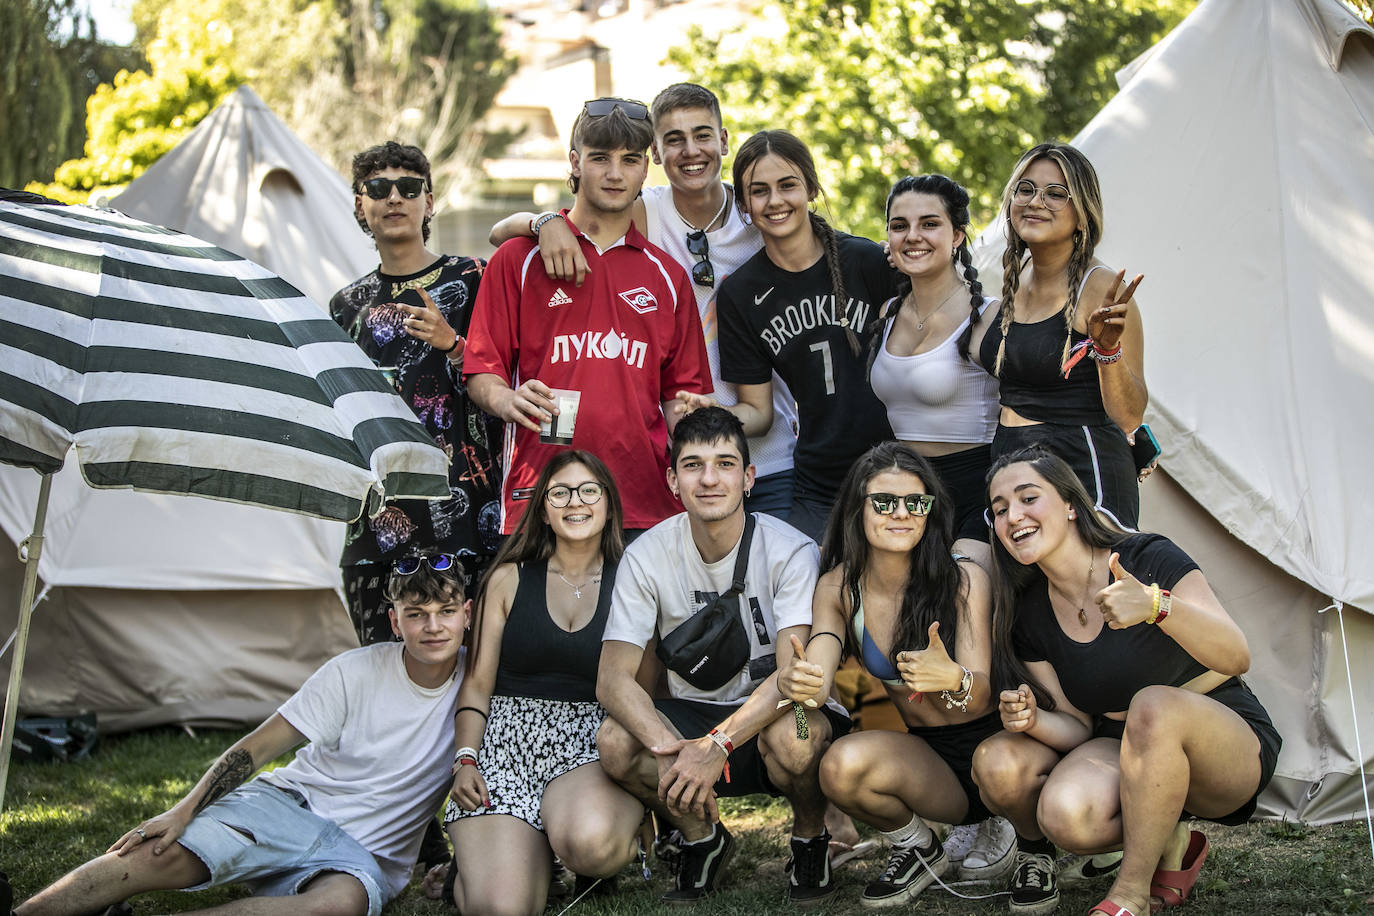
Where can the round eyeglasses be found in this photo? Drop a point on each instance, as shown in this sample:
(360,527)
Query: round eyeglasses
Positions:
(1053,196)
(886,503)
(560,495)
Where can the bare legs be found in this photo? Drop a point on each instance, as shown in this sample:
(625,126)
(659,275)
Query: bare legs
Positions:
(883,778)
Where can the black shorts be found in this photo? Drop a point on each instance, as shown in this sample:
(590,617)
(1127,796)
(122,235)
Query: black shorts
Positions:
(1099,456)
(1237,697)
(955,744)
(964,475)
(748,775)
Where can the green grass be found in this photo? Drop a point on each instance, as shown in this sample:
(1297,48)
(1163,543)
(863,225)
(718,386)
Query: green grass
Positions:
(59,815)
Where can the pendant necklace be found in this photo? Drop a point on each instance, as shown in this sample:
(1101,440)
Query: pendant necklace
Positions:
(1082,605)
(577,587)
(921,322)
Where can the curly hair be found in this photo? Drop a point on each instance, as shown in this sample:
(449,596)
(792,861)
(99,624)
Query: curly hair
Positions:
(391,155)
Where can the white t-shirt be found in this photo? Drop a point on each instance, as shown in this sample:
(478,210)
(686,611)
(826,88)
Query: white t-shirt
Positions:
(381,747)
(732,244)
(662,581)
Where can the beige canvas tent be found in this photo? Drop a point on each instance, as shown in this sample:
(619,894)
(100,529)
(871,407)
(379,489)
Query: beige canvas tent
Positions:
(161,609)
(1236,172)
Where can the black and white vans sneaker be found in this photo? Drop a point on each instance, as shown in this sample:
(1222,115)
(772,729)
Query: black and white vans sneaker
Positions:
(699,867)
(910,870)
(809,877)
(1033,888)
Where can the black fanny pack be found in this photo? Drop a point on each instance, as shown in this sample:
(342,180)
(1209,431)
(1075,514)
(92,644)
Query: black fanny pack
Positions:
(711,647)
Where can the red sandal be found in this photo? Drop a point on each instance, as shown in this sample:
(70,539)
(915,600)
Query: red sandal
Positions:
(1110,909)
(1173,887)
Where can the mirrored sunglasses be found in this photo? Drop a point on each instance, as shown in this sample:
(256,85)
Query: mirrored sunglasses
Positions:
(439,562)
(380,188)
(560,496)
(703,274)
(916,503)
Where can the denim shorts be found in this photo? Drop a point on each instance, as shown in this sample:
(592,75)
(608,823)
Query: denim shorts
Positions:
(267,839)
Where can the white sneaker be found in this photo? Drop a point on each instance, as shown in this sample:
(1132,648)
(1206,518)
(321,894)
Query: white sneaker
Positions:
(960,841)
(993,852)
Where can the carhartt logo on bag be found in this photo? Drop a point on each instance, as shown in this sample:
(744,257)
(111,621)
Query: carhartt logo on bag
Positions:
(697,666)
(559,298)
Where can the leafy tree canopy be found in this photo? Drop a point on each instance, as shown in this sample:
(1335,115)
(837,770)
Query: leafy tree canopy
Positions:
(883,88)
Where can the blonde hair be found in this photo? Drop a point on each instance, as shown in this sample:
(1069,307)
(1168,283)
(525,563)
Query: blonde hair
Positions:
(1086,194)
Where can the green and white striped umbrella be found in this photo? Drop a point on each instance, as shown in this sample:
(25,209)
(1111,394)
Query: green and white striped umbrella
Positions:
(177,367)
(174,366)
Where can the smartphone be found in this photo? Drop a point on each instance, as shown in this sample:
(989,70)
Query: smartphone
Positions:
(1146,449)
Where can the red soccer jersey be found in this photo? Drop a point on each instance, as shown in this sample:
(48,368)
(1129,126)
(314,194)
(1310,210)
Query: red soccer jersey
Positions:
(627,339)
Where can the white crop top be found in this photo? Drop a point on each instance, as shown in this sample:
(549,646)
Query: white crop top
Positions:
(936,396)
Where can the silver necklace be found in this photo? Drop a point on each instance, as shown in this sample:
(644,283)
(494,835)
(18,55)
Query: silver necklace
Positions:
(577,587)
(723,204)
(921,322)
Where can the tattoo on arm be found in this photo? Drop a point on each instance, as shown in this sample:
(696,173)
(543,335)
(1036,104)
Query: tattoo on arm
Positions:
(229,773)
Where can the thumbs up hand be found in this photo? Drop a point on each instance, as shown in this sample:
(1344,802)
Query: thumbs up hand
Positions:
(801,681)
(1127,601)
(929,670)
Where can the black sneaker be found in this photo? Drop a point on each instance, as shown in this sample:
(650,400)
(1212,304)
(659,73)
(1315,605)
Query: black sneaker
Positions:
(699,867)
(910,870)
(809,879)
(1033,889)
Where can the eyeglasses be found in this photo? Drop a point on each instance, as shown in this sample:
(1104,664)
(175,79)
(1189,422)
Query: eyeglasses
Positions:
(599,108)
(380,188)
(702,271)
(560,496)
(1053,196)
(439,562)
(916,503)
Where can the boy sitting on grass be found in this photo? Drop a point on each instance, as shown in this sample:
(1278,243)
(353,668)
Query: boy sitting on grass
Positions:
(339,825)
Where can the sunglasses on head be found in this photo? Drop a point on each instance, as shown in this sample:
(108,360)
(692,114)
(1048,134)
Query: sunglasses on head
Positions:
(380,188)
(599,108)
(886,503)
(439,562)
(702,271)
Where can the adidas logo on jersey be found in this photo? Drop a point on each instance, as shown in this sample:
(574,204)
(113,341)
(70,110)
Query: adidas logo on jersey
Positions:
(559,298)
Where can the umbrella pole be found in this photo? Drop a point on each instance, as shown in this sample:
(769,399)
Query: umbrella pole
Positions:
(32,548)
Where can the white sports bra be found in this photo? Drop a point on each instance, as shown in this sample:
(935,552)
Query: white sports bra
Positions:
(936,396)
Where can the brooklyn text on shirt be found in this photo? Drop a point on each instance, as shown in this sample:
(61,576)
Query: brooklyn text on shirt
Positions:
(599,345)
(808,315)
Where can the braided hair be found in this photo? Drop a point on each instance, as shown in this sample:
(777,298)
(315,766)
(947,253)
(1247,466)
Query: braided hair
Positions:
(1086,195)
(955,199)
(793,151)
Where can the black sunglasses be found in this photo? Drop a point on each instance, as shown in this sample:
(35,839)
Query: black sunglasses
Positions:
(408,566)
(599,108)
(380,188)
(702,271)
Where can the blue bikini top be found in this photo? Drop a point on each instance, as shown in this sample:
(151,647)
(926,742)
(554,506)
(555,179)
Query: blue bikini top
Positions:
(876,663)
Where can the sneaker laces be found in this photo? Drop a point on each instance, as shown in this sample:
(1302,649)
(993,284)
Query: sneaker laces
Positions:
(960,841)
(1033,870)
(901,855)
(989,845)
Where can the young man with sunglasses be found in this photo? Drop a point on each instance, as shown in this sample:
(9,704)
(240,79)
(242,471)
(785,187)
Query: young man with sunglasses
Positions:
(695,219)
(409,316)
(740,737)
(626,341)
(337,829)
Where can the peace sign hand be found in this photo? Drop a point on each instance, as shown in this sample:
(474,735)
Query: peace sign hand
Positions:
(801,681)
(1126,602)
(427,323)
(1107,321)
(930,670)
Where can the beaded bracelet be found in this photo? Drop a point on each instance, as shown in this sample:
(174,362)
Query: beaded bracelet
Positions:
(1106,356)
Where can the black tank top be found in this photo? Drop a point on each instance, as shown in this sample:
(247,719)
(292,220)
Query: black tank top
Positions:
(1033,385)
(539,659)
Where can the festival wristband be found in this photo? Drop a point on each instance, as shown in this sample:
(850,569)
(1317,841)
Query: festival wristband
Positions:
(723,742)
(1166,604)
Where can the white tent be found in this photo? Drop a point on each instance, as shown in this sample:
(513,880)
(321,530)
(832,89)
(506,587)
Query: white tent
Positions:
(1237,170)
(163,609)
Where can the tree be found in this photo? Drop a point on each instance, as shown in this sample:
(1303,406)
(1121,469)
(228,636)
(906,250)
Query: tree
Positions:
(882,88)
(52,62)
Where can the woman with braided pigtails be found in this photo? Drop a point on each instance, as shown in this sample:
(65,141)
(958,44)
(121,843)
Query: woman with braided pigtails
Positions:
(1068,346)
(805,307)
(941,404)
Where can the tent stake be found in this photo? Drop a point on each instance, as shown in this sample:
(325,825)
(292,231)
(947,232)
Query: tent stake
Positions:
(32,548)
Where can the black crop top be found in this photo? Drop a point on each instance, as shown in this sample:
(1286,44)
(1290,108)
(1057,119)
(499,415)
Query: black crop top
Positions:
(1103,675)
(540,659)
(1033,385)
